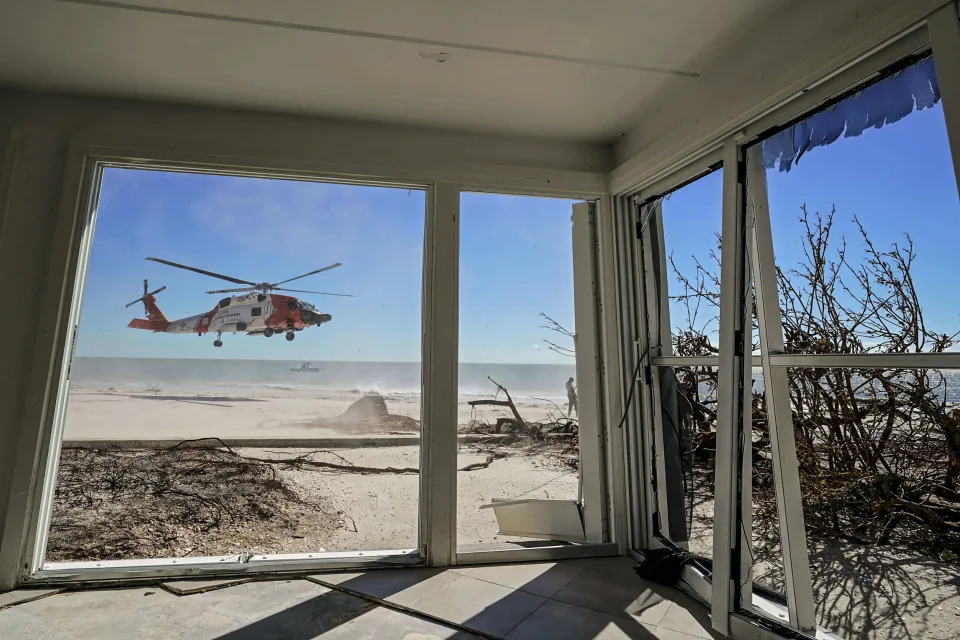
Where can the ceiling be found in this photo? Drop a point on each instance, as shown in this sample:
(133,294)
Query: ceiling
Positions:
(568,69)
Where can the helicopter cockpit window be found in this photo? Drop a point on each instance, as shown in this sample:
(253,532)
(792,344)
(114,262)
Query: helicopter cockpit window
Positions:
(224,302)
(255,311)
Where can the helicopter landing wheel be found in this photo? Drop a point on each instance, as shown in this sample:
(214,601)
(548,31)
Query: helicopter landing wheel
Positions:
(267,332)
(290,336)
(217,343)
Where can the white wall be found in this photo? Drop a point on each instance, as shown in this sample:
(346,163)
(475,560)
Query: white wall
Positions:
(774,61)
(37,132)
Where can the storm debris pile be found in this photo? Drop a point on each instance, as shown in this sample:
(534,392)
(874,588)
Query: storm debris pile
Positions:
(557,436)
(189,499)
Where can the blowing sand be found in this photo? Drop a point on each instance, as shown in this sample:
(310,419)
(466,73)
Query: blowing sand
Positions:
(145,413)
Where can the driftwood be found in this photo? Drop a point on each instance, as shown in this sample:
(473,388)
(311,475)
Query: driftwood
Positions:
(482,465)
(305,460)
(517,418)
(517,424)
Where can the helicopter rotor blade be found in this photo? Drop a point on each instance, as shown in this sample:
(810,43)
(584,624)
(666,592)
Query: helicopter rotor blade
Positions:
(203,271)
(320,293)
(145,294)
(310,273)
(233,290)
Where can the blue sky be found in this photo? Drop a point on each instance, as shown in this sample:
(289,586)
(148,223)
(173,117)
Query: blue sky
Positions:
(516,261)
(897,179)
(515,257)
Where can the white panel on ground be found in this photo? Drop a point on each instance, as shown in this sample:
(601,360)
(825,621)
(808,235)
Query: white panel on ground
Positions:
(550,519)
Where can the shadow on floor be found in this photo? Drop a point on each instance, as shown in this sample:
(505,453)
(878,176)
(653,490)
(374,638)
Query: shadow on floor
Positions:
(316,617)
(538,600)
(869,592)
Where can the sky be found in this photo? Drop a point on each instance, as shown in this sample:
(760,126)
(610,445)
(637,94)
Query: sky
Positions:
(898,179)
(515,251)
(516,261)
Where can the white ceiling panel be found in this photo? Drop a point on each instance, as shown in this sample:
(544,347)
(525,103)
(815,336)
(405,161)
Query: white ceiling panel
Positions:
(572,69)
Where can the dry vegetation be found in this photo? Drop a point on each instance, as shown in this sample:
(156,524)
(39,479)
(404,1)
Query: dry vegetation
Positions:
(196,498)
(201,497)
(879,450)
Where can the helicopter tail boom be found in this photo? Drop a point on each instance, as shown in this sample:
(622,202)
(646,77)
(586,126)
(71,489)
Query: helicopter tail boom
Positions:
(155,320)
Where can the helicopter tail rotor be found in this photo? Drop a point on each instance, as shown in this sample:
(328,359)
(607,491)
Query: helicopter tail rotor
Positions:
(152,311)
(155,321)
(146,295)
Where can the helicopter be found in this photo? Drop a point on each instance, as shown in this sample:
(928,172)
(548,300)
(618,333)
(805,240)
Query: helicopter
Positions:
(258,312)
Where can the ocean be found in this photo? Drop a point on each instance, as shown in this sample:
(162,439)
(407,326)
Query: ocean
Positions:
(384,377)
(947,388)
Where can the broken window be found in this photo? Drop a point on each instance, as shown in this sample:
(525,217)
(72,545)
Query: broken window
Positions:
(857,205)
(680,249)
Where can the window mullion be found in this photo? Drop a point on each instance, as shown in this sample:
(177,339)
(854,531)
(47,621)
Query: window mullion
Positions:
(729,387)
(793,538)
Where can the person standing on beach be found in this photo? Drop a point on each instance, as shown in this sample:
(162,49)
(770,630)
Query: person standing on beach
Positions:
(571,398)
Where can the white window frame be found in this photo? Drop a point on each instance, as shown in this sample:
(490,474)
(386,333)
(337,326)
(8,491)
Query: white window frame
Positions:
(26,526)
(598,445)
(88,164)
(750,261)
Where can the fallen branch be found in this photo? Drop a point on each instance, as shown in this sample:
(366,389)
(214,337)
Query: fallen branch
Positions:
(482,465)
(518,422)
(304,460)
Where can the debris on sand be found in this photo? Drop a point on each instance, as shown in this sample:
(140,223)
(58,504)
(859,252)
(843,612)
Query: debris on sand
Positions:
(369,414)
(556,437)
(190,499)
(370,407)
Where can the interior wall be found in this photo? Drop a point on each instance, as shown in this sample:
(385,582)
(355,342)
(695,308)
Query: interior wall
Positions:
(774,62)
(37,132)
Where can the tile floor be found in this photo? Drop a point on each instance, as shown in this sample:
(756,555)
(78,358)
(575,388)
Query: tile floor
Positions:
(573,599)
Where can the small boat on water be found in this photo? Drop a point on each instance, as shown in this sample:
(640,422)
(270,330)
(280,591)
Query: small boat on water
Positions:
(304,366)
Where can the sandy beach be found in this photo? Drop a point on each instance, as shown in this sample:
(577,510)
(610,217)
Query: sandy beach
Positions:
(138,412)
(351,510)
(899,593)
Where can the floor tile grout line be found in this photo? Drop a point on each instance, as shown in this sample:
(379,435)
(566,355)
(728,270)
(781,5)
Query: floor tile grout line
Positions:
(612,615)
(33,599)
(526,617)
(626,616)
(404,609)
(540,595)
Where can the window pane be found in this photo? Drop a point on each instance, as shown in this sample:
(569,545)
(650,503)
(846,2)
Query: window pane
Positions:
(693,407)
(516,331)
(863,205)
(681,257)
(691,235)
(879,456)
(864,226)
(177,445)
